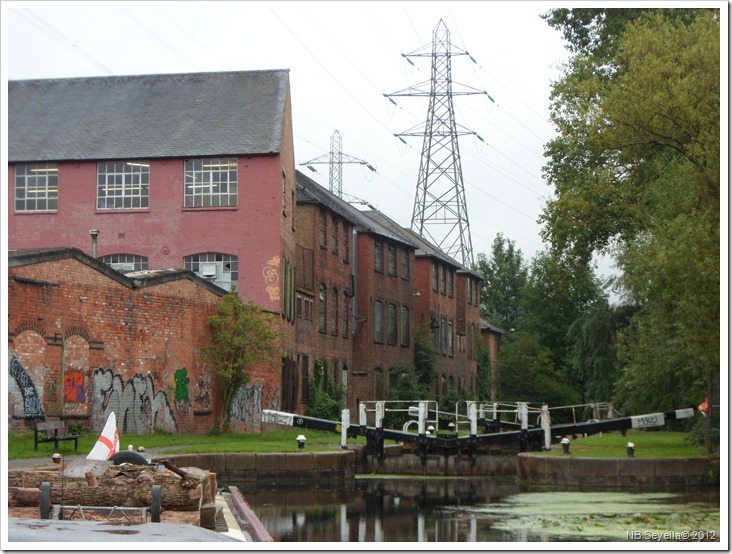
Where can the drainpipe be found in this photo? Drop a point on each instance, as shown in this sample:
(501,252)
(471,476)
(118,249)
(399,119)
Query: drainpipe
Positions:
(94,234)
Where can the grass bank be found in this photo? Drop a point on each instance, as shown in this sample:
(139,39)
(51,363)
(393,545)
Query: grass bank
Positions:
(20,445)
(648,444)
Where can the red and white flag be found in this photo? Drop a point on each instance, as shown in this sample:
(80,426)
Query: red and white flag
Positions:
(108,443)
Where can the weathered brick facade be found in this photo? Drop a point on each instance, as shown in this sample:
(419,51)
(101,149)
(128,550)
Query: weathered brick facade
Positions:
(85,340)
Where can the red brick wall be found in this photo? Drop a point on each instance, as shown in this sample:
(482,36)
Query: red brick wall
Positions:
(369,356)
(134,351)
(333,270)
(166,232)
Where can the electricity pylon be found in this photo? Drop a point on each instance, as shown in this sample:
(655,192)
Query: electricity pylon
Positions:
(335,158)
(440,213)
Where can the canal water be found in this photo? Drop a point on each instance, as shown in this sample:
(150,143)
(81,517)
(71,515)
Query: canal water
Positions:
(413,509)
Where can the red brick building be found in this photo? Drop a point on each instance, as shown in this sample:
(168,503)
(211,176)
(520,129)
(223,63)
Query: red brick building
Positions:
(447,301)
(190,171)
(85,340)
(356,286)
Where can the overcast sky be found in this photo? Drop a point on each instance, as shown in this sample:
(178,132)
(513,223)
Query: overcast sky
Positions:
(342,57)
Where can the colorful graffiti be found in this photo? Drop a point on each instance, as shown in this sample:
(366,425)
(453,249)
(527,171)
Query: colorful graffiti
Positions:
(74,387)
(181,385)
(249,402)
(32,405)
(272,278)
(139,408)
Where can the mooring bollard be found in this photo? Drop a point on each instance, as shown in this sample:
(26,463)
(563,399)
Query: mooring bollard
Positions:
(565,445)
(630,448)
(301,441)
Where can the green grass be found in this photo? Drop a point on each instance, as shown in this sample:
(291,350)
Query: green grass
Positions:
(20,445)
(648,444)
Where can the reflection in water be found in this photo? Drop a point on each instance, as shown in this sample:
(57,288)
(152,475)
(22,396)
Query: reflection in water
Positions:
(486,509)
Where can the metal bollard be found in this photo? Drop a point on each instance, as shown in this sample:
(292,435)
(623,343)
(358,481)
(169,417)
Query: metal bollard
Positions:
(630,449)
(565,445)
(301,441)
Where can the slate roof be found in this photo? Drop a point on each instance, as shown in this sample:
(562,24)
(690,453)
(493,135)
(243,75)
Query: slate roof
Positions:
(137,279)
(147,116)
(308,191)
(485,325)
(424,247)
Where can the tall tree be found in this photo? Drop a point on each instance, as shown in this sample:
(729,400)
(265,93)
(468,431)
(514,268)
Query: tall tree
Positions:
(505,274)
(635,168)
(242,334)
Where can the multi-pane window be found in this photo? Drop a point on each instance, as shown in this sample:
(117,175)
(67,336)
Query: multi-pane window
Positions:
(123,185)
(443,279)
(392,333)
(36,187)
(346,243)
(221,269)
(378,321)
(334,311)
(404,259)
(435,277)
(125,262)
(323,229)
(443,337)
(391,260)
(334,235)
(210,182)
(323,310)
(450,344)
(346,311)
(378,256)
(450,282)
(405,332)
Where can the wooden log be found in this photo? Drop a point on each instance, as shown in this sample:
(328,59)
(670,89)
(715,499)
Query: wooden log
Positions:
(22,497)
(130,488)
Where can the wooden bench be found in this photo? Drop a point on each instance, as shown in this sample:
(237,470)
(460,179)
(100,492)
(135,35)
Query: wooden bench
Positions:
(53,431)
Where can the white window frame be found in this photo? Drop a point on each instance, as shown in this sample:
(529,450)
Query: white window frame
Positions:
(123,185)
(210,182)
(36,187)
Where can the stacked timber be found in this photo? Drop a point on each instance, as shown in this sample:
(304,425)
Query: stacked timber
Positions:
(103,484)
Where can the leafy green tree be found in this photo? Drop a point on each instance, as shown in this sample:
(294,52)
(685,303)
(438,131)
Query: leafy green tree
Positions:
(593,358)
(635,168)
(559,291)
(485,372)
(425,357)
(528,374)
(505,274)
(242,334)
(322,403)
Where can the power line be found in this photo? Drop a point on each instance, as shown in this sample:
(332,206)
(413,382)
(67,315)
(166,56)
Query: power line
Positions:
(49,30)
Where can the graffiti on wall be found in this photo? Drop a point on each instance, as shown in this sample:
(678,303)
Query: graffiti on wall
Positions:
(32,405)
(202,398)
(272,278)
(138,407)
(249,402)
(74,387)
(181,385)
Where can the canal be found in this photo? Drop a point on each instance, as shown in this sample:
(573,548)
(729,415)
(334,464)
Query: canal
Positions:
(413,509)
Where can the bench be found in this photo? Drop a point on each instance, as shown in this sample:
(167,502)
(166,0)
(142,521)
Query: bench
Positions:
(53,431)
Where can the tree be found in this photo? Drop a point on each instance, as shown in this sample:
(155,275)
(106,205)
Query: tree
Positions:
(504,274)
(559,291)
(324,404)
(242,334)
(636,171)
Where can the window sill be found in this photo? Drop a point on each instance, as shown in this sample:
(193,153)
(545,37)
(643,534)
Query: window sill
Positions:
(121,210)
(210,208)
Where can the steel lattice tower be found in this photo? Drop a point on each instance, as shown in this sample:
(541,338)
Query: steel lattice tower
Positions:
(440,213)
(335,159)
